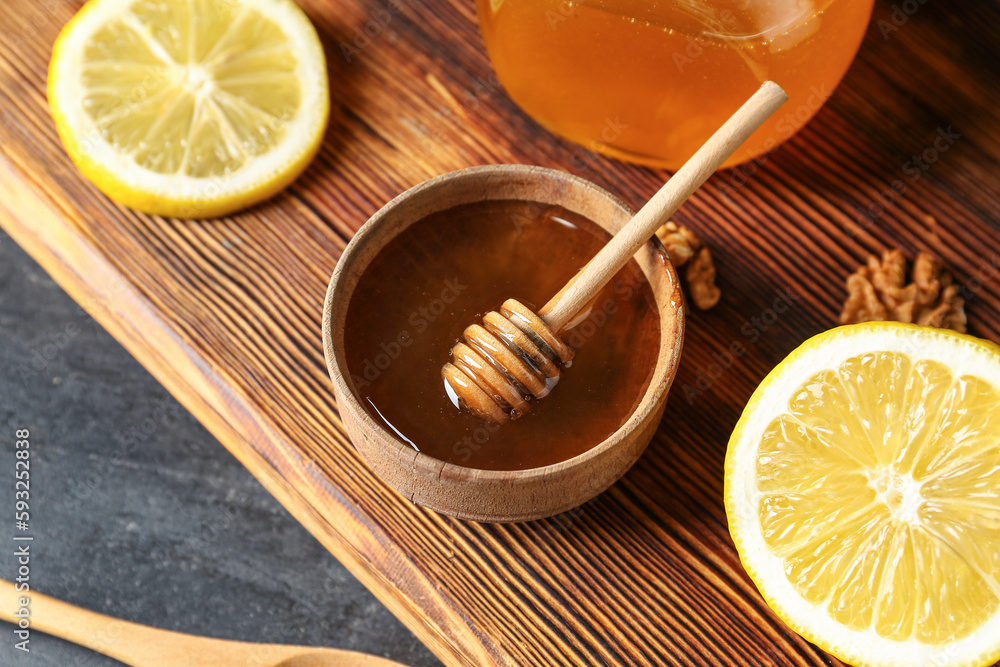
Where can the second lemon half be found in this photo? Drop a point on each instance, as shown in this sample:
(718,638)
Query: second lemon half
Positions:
(863,494)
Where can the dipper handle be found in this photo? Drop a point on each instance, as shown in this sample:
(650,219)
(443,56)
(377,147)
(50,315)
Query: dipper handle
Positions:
(657,211)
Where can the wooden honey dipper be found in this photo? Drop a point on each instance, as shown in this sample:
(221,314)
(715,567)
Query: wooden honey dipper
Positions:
(515,355)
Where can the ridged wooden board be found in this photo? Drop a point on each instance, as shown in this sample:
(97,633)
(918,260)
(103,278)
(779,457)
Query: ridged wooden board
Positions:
(226,314)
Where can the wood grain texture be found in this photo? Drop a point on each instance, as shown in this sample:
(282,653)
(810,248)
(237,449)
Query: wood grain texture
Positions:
(226,314)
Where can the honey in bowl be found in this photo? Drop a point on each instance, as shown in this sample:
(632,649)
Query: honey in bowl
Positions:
(650,81)
(441,273)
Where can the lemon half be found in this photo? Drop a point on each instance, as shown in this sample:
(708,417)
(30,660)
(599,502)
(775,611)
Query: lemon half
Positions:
(863,494)
(189,108)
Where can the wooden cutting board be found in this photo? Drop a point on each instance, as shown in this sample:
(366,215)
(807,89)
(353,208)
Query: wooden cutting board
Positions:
(226,313)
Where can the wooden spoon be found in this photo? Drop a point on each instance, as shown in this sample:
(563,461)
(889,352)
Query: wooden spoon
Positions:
(142,646)
(516,356)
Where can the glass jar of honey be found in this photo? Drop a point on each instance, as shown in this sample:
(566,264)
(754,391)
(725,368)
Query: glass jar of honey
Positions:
(650,80)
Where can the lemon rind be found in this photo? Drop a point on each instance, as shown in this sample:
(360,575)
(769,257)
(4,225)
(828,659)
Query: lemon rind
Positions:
(966,356)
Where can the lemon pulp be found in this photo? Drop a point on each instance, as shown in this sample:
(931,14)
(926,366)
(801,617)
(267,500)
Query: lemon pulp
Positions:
(880,491)
(190,87)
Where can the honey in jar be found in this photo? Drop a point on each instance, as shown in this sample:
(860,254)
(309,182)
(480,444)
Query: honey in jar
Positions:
(650,80)
(442,274)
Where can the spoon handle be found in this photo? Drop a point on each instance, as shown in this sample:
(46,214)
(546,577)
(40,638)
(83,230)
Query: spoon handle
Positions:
(127,642)
(612,257)
(142,646)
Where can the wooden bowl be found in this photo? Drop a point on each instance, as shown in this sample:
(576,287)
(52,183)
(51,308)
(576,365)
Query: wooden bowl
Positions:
(495,495)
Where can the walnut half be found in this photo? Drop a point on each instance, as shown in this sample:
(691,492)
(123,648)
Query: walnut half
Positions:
(685,250)
(879,291)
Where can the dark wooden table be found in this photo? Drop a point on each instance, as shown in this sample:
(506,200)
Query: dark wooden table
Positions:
(226,314)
